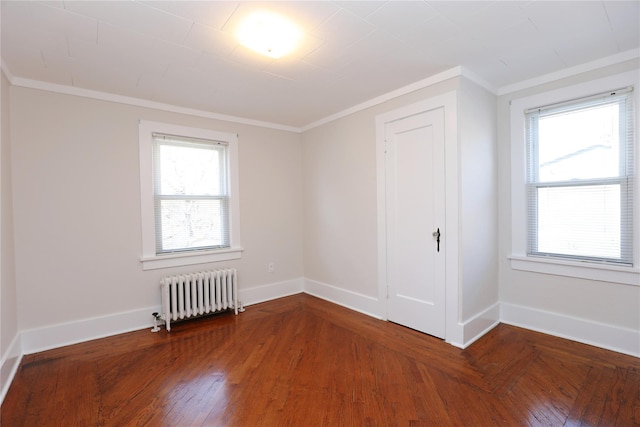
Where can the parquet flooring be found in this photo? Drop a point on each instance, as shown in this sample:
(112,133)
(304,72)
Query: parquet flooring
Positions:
(301,361)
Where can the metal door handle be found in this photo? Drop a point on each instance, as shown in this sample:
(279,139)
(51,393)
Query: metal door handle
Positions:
(436,234)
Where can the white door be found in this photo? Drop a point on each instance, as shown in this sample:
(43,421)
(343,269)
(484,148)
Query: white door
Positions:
(415,214)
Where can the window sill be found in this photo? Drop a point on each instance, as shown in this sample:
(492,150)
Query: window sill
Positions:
(582,270)
(189,258)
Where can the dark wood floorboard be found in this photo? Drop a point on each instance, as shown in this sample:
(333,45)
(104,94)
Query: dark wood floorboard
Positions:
(301,361)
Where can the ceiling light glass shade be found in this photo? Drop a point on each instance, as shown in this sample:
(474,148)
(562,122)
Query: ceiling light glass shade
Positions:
(269,34)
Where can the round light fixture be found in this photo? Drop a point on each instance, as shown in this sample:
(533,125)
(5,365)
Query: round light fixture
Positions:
(269,34)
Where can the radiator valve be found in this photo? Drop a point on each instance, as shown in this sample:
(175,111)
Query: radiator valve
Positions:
(156,316)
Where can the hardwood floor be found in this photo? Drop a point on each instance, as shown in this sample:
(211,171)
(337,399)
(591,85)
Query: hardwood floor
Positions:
(301,361)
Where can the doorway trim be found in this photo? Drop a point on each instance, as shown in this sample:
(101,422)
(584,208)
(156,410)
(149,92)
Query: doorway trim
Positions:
(449,102)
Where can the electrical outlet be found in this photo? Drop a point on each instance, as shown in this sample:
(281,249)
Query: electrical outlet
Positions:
(271,267)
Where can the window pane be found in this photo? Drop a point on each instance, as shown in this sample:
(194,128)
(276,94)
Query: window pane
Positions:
(579,221)
(189,224)
(193,169)
(579,144)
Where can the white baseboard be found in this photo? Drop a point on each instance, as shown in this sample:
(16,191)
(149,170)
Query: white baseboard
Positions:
(349,299)
(474,328)
(271,291)
(610,337)
(471,330)
(54,336)
(622,340)
(9,366)
(615,338)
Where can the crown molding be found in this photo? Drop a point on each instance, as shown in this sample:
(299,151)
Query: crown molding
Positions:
(138,102)
(421,84)
(6,70)
(571,71)
(436,78)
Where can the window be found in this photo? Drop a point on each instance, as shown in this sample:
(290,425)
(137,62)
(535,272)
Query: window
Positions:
(189,195)
(580,179)
(574,182)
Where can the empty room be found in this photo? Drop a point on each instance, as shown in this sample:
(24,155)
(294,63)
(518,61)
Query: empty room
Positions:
(320,213)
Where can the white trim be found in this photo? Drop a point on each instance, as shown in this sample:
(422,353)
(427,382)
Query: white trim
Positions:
(429,81)
(454,332)
(270,291)
(352,300)
(518,256)
(479,325)
(572,71)
(121,99)
(62,334)
(614,338)
(149,258)
(589,271)
(77,331)
(477,79)
(610,337)
(472,329)
(7,71)
(9,366)
(137,102)
(190,258)
(437,78)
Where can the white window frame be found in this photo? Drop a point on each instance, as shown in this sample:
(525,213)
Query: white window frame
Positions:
(150,260)
(519,259)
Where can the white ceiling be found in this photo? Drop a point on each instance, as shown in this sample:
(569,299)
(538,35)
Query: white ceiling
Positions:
(183,53)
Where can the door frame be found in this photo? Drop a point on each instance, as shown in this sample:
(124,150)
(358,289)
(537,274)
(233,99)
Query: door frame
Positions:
(449,102)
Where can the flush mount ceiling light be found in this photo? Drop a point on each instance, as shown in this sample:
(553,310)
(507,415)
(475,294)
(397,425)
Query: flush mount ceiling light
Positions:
(269,34)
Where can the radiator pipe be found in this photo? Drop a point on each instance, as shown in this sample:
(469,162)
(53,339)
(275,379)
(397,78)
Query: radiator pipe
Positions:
(156,316)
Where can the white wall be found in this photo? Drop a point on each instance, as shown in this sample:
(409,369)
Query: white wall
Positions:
(9,348)
(478,215)
(340,206)
(77,209)
(308,204)
(602,313)
(340,210)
